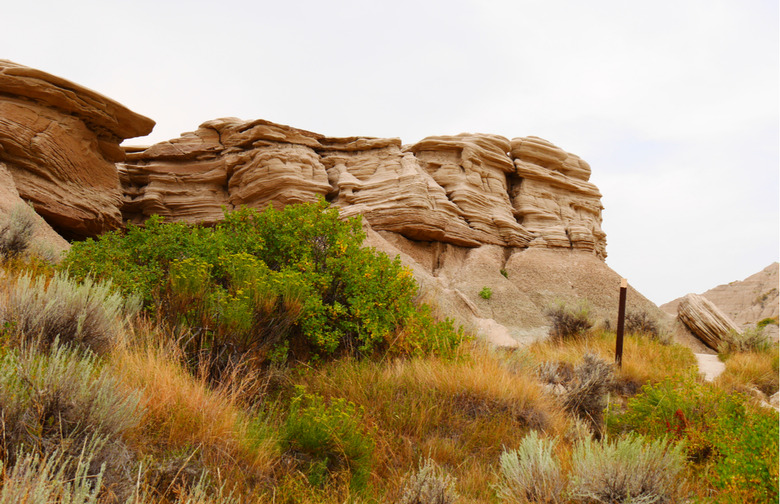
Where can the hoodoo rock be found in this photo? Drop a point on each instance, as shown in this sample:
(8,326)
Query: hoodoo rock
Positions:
(59,142)
(467,190)
(705,320)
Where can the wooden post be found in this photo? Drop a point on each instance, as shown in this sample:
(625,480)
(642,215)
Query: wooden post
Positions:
(621,322)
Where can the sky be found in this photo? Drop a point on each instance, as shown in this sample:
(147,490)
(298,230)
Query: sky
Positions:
(674,104)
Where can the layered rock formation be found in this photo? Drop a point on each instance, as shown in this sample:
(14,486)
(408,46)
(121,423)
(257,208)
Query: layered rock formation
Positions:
(59,142)
(705,320)
(466,190)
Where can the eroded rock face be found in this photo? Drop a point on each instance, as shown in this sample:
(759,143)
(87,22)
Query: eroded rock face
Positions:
(59,141)
(705,320)
(466,190)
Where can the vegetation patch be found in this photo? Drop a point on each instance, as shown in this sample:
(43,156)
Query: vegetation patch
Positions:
(262,286)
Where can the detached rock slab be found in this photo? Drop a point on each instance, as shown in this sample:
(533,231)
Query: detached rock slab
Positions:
(705,320)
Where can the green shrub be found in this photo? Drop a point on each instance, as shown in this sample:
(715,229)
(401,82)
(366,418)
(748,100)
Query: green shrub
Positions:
(532,473)
(62,401)
(486,293)
(16,230)
(766,321)
(259,283)
(734,443)
(567,323)
(630,470)
(86,313)
(428,485)
(327,439)
(504,273)
(749,340)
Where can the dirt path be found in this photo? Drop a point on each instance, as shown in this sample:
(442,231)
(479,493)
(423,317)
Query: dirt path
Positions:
(710,365)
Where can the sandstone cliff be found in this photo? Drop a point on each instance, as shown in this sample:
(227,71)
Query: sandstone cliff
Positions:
(467,190)
(465,212)
(59,142)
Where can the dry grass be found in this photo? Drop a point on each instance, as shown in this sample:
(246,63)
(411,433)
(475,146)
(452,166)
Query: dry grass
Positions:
(460,413)
(207,428)
(751,370)
(644,360)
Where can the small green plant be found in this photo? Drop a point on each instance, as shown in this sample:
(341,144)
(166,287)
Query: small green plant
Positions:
(766,321)
(486,293)
(504,273)
(532,473)
(327,439)
(631,470)
(428,485)
(567,323)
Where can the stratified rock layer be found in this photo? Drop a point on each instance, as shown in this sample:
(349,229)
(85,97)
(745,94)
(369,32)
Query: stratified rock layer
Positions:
(467,190)
(705,320)
(59,141)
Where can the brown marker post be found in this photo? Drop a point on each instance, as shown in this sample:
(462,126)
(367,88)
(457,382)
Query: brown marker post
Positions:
(621,322)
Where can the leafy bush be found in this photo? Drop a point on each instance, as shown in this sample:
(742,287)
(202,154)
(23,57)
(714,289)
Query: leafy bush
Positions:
(327,439)
(532,473)
(60,403)
(428,485)
(42,310)
(262,283)
(734,443)
(16,231)
(629,470)
(567,323)
(486,293)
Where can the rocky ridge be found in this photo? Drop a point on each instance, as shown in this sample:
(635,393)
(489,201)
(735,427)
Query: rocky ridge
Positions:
(467,190)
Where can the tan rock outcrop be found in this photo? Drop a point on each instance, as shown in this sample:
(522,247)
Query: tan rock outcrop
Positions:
(745,301)
(59,141)
(705,320)
(553,198)
(466,190)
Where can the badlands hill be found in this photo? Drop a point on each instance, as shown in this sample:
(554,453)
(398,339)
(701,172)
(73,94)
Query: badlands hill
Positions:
(746,301)
(518,216)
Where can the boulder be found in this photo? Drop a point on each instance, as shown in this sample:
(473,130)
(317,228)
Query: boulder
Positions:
(705,320)
(59,142)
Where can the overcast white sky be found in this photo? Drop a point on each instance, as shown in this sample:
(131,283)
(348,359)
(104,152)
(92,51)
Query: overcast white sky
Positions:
(674,103)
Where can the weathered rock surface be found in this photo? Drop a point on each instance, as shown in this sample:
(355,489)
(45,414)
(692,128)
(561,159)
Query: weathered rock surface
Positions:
(705,320)
(466,190)
(59,142)
(746,301)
